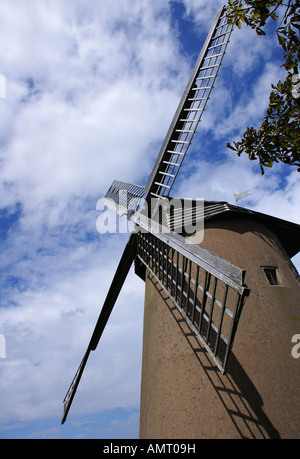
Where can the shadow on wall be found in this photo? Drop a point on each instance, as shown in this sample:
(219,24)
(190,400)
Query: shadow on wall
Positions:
(235,390)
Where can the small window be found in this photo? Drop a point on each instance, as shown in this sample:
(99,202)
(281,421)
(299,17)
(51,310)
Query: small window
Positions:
(271,275)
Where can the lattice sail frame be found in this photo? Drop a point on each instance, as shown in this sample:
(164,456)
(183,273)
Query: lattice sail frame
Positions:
(124,198)
(185,121)
(190,109)
(208,299)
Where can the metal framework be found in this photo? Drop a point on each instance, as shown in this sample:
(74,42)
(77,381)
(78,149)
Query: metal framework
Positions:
(127,197)
(187,116)
(208,299)
(190,109)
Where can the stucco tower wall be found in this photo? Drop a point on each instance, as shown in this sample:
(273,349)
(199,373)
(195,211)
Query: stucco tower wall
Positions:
(183,395)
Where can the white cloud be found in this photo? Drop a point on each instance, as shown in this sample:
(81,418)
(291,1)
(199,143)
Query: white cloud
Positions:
(202,11)
(252,103)
(82,97)
(91,90)
(78,114)
(48,328)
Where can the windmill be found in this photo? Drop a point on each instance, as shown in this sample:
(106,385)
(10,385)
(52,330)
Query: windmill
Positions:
(206,289)
(128,197)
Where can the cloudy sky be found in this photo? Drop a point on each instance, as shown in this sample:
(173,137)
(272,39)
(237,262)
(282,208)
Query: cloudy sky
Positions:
(91,88)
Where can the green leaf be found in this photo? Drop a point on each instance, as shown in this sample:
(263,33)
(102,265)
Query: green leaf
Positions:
(277,139)
(282,41)
(259,31)
(231,147)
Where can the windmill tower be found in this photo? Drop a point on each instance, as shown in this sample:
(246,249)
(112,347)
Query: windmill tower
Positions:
(195,293)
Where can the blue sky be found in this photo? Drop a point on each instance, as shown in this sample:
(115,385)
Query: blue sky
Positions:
(91,88)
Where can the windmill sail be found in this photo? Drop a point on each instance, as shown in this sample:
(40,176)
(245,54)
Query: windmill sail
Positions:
(190,108)
(116,285)
(208,291)
(165,171)
(185,120)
